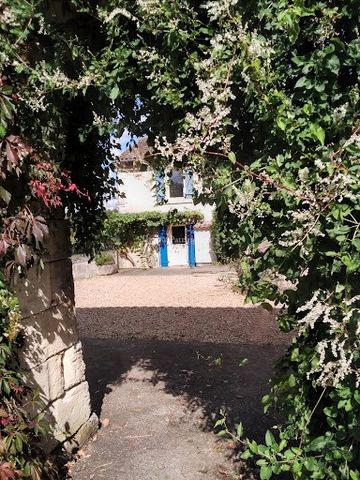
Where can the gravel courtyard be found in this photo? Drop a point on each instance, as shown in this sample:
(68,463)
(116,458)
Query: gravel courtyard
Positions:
(162,350)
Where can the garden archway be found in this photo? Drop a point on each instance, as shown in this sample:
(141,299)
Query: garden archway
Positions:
(264,100)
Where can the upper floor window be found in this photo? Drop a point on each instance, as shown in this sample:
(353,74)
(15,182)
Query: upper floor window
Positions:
(176,187)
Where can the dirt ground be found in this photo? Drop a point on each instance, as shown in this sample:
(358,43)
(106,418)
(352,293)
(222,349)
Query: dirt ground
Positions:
(162,350)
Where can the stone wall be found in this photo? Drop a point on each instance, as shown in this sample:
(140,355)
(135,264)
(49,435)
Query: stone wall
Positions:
(52,352)
(82,268)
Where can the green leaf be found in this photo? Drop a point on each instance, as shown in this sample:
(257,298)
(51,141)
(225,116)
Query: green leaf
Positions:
(253,446)
(357,396)
(114,93)
(334,63)
(292,380)
(240,430)
(18,443)
(5,386)
(317,444)
(232,158)
(2,131)
(318,133)
(246,455)
(281,124)
(267,306)
(310,464)
(269,439)
(219,422)
(300,83)
(265,472)
(356,243)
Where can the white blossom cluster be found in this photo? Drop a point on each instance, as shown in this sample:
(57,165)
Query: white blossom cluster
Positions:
(219,9)
(354,139)
(7,16)
(149,7)
(335,354)
(315,309)
(326,28)
(336,187)
(55,79)
(205,128)
(100,121)
(158,66)
(304,223)
(259,47)
(119,11)
(36,100)
(340,112)
(248,200)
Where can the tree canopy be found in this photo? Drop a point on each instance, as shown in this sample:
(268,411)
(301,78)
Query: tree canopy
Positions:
(261,99)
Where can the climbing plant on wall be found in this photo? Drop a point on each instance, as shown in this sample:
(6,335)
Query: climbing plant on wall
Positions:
(123,231)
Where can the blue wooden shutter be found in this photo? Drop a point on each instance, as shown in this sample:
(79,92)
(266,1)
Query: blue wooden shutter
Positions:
(160,192)
(191,245)
(164,260)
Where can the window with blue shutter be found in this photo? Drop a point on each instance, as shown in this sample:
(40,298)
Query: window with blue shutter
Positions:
(160,191)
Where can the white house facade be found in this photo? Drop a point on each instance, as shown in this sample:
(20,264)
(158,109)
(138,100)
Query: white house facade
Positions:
(176,244)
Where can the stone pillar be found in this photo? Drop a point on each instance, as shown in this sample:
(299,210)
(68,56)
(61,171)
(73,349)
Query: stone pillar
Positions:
(52,352)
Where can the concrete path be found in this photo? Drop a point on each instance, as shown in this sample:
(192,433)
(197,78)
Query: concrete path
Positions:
(162,350)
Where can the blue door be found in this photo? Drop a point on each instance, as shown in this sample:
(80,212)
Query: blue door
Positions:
(191,245)
(164,260)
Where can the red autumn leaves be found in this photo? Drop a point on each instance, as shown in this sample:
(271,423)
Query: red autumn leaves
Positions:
(47,183)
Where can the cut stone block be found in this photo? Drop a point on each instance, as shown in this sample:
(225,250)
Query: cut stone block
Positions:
(83,435)
(73,366)
(57,242)
(47,334)
(62,285)
(34,292)
(85,269)
(44,288)
(70,412)
(47,379)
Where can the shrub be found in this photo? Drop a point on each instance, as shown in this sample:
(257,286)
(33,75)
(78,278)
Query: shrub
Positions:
(104,258)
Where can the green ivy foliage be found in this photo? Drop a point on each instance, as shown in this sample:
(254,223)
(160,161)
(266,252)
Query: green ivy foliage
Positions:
(20,432)
(125,231)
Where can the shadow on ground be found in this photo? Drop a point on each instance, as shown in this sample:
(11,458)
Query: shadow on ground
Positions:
(195,353)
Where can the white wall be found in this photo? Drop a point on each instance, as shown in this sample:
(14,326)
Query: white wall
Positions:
(203,247)
(139,197)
